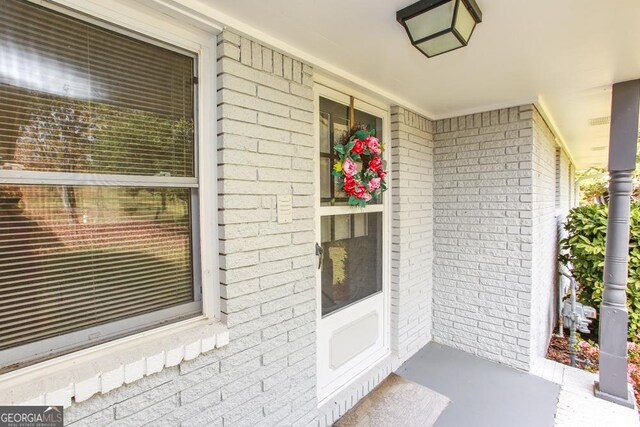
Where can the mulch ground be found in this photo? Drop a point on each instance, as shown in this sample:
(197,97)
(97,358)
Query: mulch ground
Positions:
(559,351)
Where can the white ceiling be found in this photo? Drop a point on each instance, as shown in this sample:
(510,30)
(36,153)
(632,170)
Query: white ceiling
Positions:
(563,53)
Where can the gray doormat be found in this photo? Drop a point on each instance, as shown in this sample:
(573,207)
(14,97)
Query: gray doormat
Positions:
(396,402)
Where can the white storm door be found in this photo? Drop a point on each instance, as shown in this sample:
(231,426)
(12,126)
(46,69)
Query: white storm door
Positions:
(352,255)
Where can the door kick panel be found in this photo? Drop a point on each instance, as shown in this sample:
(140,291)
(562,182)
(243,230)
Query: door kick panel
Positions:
(352,339)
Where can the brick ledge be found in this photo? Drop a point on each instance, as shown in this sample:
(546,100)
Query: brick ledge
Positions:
(78,376)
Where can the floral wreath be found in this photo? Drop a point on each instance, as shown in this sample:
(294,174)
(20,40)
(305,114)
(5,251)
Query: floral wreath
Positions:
(361,146)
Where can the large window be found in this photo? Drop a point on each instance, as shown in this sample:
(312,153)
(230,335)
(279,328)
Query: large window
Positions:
(98,184)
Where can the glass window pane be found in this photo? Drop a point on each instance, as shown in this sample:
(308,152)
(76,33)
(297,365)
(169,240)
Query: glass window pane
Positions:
(340,130)
(340,197)
(342,227)
(325,134)
(74,257)
(359,225)
(375,124)
(326,228)
(336,118)
(75,97)
(352,268)
(338,121)
(325,177)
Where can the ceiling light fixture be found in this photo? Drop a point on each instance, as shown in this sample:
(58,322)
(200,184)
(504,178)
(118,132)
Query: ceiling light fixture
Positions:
(439,26)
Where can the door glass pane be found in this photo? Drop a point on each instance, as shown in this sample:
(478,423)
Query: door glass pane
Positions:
(325,178)
(342,227)
(334,126)
(340,130)
(359,225)
(351,267)
(374,123)
(326,229)
(325,134)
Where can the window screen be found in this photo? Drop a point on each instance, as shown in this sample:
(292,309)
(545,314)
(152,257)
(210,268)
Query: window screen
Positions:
(98,183)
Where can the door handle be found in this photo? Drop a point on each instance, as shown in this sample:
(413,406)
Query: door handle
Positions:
(319,253)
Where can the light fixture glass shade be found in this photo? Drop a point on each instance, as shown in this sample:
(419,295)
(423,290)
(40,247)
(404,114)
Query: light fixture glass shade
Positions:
(439,26)
(464,24)
(440,44)
(431,22)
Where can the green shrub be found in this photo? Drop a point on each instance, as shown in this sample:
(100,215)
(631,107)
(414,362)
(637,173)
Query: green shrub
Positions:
(584,247)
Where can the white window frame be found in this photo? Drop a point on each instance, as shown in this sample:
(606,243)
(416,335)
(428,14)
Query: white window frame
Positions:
(183,339)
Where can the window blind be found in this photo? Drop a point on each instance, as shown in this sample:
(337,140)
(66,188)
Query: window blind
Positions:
(78,98)
(87,101)
(77,256)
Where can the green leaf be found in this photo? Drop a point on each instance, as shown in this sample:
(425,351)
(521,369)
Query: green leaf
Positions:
(349,146)
(361,134)
(584,248)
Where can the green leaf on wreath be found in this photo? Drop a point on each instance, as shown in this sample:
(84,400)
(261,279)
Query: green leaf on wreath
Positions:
(349,146)
(361,134)
(339,148)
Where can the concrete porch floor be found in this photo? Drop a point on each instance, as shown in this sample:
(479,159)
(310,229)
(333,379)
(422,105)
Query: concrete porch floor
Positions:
(487,394)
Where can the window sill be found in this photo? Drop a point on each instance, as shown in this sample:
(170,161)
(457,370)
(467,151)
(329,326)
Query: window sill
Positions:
(78,376)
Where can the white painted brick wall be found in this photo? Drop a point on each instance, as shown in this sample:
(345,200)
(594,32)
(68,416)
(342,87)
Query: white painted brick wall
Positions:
(360,387)
(550,201)
(266,375)
(483,234)
(462,240)
(412,235)
(496,198)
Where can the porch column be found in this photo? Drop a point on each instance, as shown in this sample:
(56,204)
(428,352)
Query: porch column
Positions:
(612,384)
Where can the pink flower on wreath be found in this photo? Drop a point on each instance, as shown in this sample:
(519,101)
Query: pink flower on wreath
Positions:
(373,144)
(366,197)
(349,167)
(360,191)
(374,184)
(382,174)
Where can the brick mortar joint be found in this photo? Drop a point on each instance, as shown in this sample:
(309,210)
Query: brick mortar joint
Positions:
(228,30)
